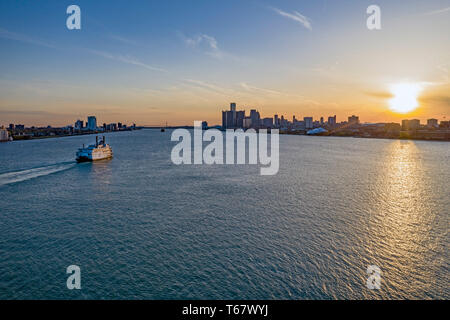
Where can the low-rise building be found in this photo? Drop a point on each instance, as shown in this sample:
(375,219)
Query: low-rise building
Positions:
(432,123)
(4,134)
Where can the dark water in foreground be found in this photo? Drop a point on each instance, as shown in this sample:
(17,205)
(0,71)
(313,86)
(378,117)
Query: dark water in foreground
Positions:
(141,227)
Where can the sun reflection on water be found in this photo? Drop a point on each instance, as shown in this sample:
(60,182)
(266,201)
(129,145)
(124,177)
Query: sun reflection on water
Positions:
(399,235)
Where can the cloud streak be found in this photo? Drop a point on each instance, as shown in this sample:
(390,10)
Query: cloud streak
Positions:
(295,16)
(5,34)
(126,59)
(206,43)
(208,86)
(432,13)
(251,88)
(122,39)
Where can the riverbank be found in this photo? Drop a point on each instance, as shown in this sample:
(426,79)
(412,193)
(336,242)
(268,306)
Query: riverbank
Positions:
(37,137)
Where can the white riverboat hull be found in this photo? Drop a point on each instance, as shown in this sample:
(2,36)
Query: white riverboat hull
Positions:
(99,151)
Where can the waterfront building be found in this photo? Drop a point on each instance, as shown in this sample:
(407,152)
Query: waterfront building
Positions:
(247,123)
(240,115)
(298,126)
(111,127)
(92,123)
(256,119)
(308,122)
(268,122)
(232,119)
(284,122)
(432,123)
(227,119)
(79,124)
(276,121)
(409,125)
(233,115)
(353,120)
(332,121)
(224,119)
(444,124)
(4,134)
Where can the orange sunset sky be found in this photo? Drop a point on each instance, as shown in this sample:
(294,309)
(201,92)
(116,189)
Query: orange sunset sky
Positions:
(152,62)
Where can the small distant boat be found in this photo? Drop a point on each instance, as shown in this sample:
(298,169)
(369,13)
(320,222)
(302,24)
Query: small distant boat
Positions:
(98,151)
(164,129)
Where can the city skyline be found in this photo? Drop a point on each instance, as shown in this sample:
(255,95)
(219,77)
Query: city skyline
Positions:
(79,123)
(153,63)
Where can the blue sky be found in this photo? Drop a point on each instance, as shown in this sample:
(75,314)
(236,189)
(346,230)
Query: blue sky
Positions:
(178,61)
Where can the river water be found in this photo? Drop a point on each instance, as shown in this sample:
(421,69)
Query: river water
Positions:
(140,227)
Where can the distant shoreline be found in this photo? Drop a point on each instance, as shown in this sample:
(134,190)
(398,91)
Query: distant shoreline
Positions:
(28,138)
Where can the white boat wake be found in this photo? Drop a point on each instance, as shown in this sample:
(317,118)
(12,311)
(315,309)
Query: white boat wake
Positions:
(23,175)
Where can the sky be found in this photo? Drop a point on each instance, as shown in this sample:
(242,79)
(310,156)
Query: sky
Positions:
(152,62)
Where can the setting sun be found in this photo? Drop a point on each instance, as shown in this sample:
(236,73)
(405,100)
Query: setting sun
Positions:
(405,96)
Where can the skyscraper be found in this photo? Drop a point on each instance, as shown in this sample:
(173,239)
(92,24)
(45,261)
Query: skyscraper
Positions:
(267,122)
(240,115)
(254,115)
(247,122)
(233,114)
(92,123)
(224,119)
(230,118)
(308,122)
(332,121)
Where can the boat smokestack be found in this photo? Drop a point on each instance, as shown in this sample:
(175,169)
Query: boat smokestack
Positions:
(96,141)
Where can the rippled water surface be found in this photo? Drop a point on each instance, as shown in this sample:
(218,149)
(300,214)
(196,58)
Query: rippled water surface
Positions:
(141,227)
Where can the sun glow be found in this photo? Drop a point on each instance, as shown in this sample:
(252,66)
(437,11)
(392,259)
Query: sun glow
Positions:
(405,96)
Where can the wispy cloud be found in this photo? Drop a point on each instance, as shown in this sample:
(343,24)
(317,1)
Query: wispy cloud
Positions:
(251,88)
(432,13)
(126,59)
(211,41)
(207,43)
(208,86)
(295,16)
(5,34)
(379,94)
(272,93)
(122,39)
(437,99)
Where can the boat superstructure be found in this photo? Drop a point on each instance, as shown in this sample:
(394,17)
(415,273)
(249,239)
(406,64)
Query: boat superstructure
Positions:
(98,151)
